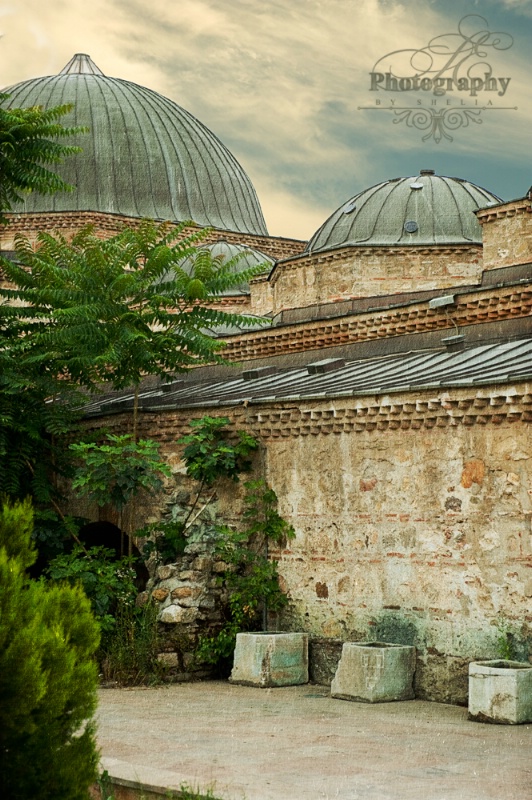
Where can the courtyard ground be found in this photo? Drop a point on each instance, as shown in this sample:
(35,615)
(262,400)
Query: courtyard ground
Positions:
(296,743)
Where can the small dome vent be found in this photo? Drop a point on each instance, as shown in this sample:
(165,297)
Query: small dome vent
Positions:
(410,226)
(349,207)
(81,64)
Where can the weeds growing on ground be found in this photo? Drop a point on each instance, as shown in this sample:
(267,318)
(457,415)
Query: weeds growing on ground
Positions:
(129,652)
(185,792)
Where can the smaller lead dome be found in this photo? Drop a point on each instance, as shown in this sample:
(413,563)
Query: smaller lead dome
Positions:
(426,209)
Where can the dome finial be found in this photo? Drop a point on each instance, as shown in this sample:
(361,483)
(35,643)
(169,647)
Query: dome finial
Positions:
(81,64)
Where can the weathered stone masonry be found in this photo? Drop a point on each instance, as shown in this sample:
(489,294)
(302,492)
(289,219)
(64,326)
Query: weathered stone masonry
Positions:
(412,508)
(424,521)
(411,511)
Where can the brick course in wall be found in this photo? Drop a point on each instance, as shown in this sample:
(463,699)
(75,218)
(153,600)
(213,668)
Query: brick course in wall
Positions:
(495,304)
(67,222)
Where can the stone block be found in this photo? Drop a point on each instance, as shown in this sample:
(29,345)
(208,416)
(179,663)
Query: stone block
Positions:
(441,678)
(160,595)
(173,613)
(324,655)
(500,691)
(169,660)
(270,659)
(375,672)
(166,571)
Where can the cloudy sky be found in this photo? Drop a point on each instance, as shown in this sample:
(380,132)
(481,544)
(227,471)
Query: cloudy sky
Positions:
(286,85)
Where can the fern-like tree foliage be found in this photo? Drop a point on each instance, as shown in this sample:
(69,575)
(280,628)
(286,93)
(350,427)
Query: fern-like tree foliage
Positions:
(95,314)
(48,676)
(29,144)
(32,424)
(31,141)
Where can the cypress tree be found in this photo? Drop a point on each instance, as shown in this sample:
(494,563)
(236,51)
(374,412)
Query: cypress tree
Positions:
(48,676)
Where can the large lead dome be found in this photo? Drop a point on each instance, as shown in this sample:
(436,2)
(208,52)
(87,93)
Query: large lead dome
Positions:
(427,209)
(144,156)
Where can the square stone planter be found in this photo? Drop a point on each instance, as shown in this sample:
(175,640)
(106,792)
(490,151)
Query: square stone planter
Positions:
(375,672)
(270,659)
(500,691)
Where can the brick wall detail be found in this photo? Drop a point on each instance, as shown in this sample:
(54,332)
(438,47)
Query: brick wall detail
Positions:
(411,510)
(68,222)
(471,308)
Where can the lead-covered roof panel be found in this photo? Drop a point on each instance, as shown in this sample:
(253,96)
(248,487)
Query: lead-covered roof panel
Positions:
(425,209)
(144,155)
(486,364)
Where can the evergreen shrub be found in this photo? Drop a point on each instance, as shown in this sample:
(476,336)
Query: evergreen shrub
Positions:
(48,676)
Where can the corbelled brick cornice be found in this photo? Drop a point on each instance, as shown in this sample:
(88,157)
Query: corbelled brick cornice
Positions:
(415,410)
(412,412)
(512,209)
(471,308)
(30,223)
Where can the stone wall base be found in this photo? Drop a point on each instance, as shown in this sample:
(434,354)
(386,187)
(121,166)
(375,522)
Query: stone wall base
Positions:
(439,678)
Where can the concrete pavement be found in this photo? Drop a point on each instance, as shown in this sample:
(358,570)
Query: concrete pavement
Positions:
(296,743)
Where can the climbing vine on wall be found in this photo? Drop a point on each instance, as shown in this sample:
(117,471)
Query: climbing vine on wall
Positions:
(249,578)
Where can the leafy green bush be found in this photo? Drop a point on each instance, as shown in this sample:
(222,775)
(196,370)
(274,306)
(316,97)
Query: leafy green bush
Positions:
(168,541)
(48,676)
(210,454)
(129,646)
(106,581)
(117,470)
(250,580)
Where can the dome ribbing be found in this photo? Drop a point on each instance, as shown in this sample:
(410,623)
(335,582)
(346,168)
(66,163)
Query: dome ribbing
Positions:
(144,155)
(424,210)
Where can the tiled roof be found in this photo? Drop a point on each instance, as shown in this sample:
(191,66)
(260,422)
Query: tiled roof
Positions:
(424,369)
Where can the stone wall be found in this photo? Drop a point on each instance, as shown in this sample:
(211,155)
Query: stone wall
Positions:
(507,234)
(413,534)
(370,271)
(413,523)
(261,295)
(190,600)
